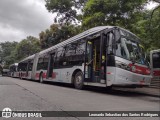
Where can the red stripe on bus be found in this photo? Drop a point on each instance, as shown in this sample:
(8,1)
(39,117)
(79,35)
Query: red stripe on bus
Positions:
(23,74)
(37,75)
(44,75)
(156,72)
(140,69)
(54,75)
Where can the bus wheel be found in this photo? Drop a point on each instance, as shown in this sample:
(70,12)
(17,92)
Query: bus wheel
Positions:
(78,80)
(41,78)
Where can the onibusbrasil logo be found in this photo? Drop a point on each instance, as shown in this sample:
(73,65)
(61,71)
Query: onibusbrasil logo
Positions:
(6,113)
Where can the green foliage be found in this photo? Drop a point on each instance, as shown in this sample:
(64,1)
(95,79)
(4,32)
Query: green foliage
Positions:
(57,34)
(155,30)
(65,9)
(105,12)
(11,52)
(128,14)
(147,29)
(27,47)
(6,53)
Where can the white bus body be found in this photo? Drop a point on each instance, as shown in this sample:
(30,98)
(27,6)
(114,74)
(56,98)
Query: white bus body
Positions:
(13,70)
(101,56)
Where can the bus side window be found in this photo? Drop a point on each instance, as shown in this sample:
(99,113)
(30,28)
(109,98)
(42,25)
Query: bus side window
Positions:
(80,50)
(110,42)
(70,54)
(30,65)
(75,53)
(40,64)
(45,62)
(59,58)
(24,66)
(71,49)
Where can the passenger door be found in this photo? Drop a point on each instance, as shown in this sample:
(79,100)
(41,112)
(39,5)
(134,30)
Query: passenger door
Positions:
(50,65)
(95,60)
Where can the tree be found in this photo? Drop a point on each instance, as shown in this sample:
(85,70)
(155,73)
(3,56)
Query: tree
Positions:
(56,34)
(154,30)
(27,47)
(127,14)
(148,30)
(11,52)
(46,37)
(6,53)
(66,10)
(105,12)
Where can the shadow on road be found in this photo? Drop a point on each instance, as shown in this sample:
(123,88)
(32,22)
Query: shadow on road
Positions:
(115,91)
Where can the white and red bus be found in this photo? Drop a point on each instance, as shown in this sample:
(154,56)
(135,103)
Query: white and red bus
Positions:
(155,63)
(102,56)
(13,70)
(25,67)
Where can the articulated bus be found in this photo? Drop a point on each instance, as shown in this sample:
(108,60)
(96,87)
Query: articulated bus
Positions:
(13,70)
(103,56)
(155,63)
(25,67)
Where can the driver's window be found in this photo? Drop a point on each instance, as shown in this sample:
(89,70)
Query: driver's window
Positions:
(124,48)
(123,53)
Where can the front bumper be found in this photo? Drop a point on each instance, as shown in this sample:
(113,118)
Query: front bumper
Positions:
(128,78)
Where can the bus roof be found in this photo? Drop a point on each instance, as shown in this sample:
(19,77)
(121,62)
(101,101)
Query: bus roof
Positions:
(15,64)
(28,58)
(77,37)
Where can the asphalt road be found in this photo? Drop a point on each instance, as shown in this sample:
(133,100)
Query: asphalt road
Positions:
(30,95)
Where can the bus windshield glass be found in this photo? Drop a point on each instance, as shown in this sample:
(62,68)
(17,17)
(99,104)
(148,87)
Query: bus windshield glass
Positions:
(128,48)
(156,60)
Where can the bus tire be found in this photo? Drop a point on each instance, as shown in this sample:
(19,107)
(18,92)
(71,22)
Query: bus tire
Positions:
(78,80)
(41,78)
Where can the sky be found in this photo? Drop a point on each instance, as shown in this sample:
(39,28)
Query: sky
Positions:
(22,18)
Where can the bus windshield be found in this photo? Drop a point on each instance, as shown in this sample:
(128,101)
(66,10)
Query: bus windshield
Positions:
(156,60)
(128,48)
